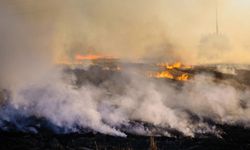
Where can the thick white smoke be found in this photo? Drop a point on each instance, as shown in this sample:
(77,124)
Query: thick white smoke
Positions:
(164,105)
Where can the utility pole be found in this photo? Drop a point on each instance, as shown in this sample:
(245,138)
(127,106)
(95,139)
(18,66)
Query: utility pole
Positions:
(217,19)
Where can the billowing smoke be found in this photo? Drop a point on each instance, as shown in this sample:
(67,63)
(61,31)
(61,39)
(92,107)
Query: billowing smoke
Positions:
(36,34)
(127,103)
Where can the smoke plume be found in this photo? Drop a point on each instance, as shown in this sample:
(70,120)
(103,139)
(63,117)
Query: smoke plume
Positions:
(35,35)
(116,108)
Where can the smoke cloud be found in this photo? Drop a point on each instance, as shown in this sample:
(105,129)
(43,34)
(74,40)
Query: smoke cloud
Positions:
(35,35)
(164,105)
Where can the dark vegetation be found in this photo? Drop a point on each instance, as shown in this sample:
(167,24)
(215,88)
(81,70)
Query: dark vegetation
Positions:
(234,137)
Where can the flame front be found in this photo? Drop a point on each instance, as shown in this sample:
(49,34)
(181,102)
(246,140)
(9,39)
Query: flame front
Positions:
(174,72)
(177,65)
(80,57)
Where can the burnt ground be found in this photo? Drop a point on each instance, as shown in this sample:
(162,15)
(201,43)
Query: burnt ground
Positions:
(235,138)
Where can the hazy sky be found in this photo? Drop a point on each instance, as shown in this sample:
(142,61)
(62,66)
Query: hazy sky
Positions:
(128,28)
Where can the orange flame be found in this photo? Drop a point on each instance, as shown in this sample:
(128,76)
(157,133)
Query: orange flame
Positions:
(169,72)
(80,57)
(174,66)
(177,65)
(164,74)
(183,77)
(168,75)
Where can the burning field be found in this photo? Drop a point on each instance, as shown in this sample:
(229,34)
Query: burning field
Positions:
(178,104)
(123,75)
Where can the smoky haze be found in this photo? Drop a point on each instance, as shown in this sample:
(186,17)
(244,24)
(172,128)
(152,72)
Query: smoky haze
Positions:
(127,29)
(36,34)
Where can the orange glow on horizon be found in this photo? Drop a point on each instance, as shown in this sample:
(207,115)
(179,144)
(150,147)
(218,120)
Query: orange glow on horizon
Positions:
(87,57)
